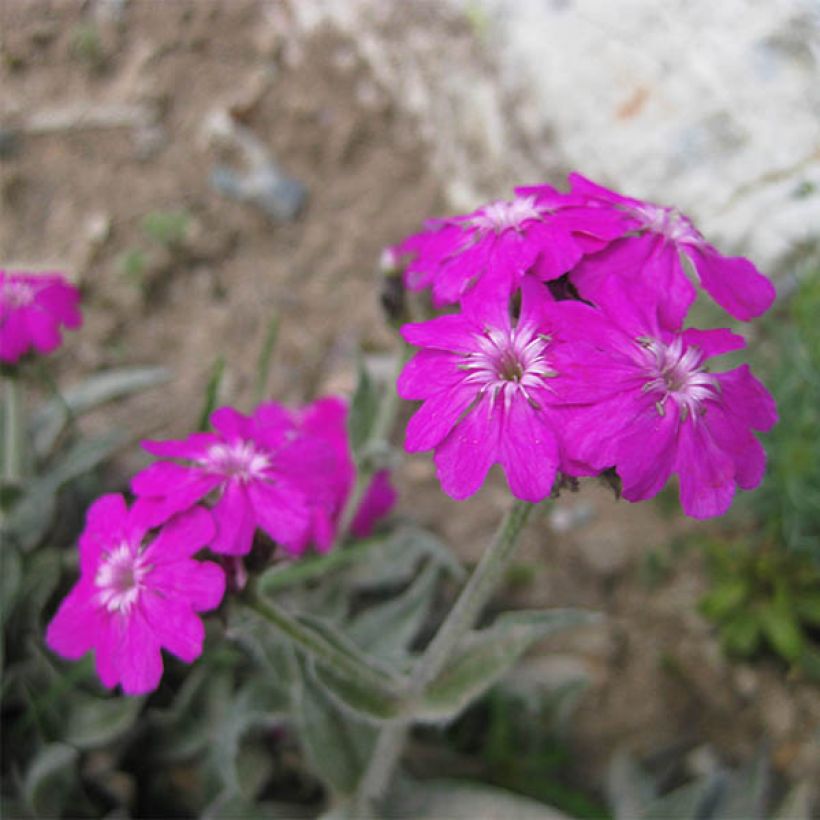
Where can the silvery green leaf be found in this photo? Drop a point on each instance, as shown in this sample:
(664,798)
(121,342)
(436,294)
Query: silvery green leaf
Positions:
(629,788)
(357,697)
(747,791)
(49,779)
(337,746)
(94,722)
(388,629)
(11,573)
(486,655)
(799,802)
(364,410)
(303,570)
(456,800)
(694,801)
(50,419)
(253,706)
(33,513)
(396,559)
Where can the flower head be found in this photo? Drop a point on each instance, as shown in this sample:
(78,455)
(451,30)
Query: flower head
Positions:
(647,405)
(32,309)
(243,464)
(490,249)
(137,594)
(488,388)
(286,471)
(651,256)
(322,468)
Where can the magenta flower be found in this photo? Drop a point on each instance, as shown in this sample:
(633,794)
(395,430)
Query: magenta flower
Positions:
(492,248)
(244,466)
(136,596)
(648,406)
(652,251)
(488,388)
(378,500)
(32,309)
(322,468)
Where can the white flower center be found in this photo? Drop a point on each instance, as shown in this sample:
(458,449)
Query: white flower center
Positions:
(119,578)
(237,460)
(668,222)
(501,215)
(678,374)
(17,294)
(509,362)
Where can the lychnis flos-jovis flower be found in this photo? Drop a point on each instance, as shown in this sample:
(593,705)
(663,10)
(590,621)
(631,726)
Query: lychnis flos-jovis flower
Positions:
(606,377)
(651,255)
(137,594)
(491,394)
(287,472)
(32,309)
(491,249)
(643,401)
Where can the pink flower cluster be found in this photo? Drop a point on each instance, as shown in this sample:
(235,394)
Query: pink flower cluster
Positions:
(569,351)
(287,472)
(32,309)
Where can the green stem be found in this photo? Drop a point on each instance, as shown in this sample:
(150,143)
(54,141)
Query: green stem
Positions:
(314,643)
(13,432)
(382,428)
(459,621)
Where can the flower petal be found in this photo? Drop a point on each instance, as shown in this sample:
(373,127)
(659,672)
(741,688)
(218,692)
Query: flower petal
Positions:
(174,626)
(528,451)
(281,511)
(733,282)
(184,535)
(235,521)
(706,473)
(466,455)
(200,583)
(428,372)
(437,417)
(72,631)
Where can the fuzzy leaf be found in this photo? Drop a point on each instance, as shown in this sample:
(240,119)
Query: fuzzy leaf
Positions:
(33,514)
(94,722)
(783,631)
(356,697)
(456,800)
(11,573)
(211,394)
(50,419)
(337,746)
(486,655)
(364,409)
(388,629)
(629,788)
(690,802)
(49,779)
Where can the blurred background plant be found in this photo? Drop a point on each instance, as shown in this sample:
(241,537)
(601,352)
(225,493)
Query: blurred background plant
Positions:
(765,575)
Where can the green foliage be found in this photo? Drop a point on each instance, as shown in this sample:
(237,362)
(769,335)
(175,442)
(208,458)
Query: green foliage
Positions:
(636,794)
(488,654)
(764,599)
(168,228)
(87,46)
(765,587)
(517,739)
(787,506)
(133,264)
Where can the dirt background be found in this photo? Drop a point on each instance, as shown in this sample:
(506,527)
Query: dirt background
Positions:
(74,196)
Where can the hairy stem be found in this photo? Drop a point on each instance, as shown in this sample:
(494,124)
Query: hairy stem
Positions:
(459,621)
(319,647)
(13,432)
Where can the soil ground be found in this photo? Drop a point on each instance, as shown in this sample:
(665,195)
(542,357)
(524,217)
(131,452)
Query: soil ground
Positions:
(75,198)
